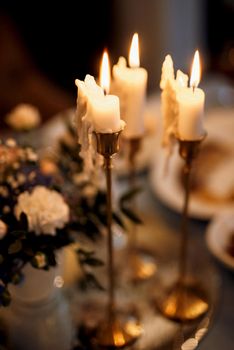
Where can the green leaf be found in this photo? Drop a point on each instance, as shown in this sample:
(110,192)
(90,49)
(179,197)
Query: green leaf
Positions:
(18,234)
(28,251)
(131,215)
(90,281)
(5,298)
(15,247)
(118,220)
(85,253)
(17,278)
(92,262)
(130,194)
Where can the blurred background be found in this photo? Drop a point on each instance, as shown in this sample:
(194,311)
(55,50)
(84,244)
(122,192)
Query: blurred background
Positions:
(44,46)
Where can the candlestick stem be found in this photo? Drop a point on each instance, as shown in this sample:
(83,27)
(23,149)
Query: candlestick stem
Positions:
(142,264)
(111,301)
(184,221)
(134,147)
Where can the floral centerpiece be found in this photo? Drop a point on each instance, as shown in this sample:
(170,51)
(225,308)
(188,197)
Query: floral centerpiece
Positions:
(34,217)
(47,204)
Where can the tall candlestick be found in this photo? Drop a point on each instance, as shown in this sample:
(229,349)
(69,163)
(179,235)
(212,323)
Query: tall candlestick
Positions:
(130,86)
(111,333)
(183,107)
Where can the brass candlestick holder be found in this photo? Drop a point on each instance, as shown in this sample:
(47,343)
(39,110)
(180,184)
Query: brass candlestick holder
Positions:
(142,264)
(185,301)
(111,333)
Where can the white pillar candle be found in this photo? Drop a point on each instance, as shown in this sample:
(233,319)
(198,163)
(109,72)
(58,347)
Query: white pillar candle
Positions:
(105,114)
(191,111)
(101,111)
(130,86)
(191,106)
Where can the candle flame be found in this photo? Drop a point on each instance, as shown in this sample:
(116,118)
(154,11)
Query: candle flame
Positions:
(196,71)
(134,60)
(104,77)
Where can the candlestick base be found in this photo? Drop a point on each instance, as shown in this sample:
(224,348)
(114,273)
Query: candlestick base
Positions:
(142,265)
(184,303)
(116,334)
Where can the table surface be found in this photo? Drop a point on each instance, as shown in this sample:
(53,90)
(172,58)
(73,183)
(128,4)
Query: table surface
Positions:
(220,334)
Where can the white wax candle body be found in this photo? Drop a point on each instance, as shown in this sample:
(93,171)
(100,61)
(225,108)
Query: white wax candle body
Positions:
(190,113)
(130,86)
(105,114)
(102,112)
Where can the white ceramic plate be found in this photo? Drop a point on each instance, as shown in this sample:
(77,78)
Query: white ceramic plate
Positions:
(165,182)
(218,235)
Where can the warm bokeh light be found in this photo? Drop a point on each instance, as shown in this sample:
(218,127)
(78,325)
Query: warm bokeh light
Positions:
(58,282)
(134,60)
(196,71)
(105,72)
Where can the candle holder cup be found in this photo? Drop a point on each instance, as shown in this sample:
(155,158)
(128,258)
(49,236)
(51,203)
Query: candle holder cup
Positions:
(142,264)
(185,301)
(112,332)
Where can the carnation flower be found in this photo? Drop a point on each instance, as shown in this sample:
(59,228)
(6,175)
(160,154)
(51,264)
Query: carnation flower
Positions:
(23,117)
(45,209)
(3,229)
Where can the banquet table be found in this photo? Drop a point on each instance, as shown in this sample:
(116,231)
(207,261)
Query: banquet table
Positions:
(161,231)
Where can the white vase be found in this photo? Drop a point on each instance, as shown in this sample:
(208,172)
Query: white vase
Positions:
(39,316)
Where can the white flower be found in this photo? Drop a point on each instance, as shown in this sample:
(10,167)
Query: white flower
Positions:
(3,229)
(45,210)
(23,117)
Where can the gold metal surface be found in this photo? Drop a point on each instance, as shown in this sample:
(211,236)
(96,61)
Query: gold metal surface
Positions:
(142,265)
(117,334)
(107,144)
(184,303)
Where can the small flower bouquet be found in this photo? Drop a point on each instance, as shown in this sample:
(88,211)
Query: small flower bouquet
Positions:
(34,218)
(47,204)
